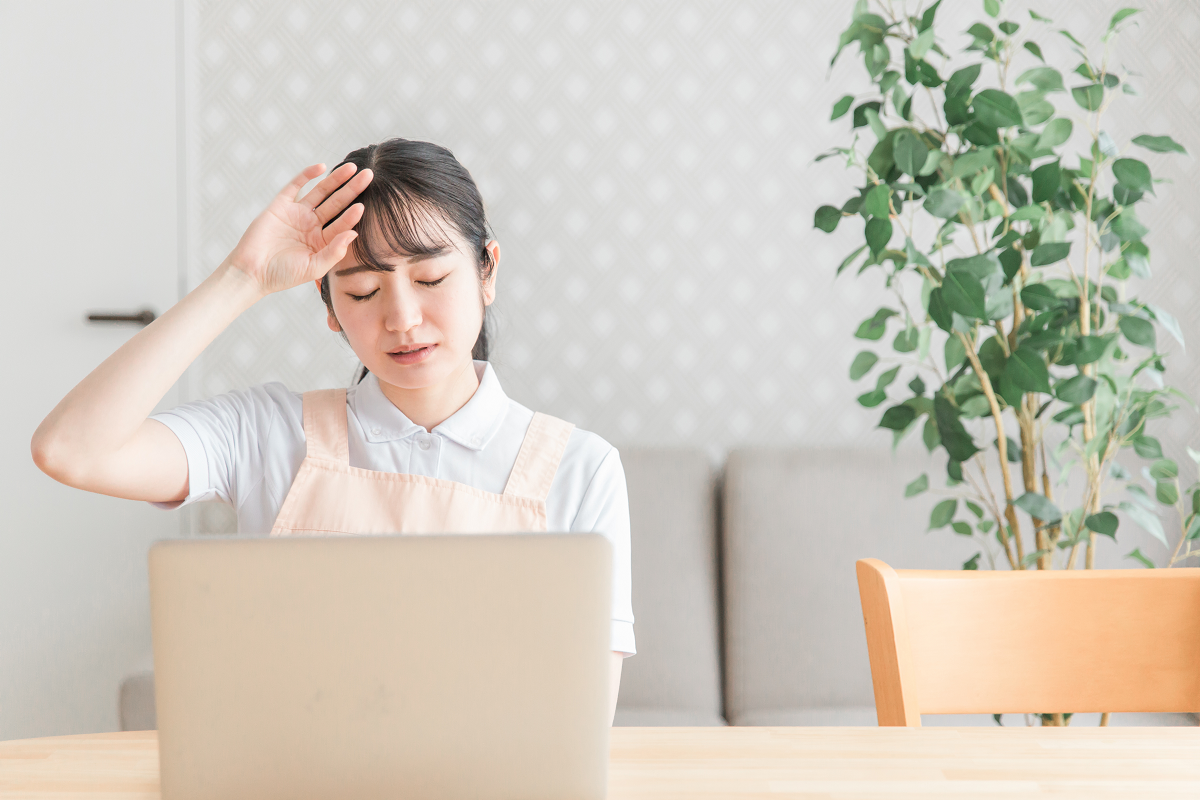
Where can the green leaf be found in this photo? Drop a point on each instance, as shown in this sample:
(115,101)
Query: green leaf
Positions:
(897,418)
(960,82)
(1040,297)
(963,293)
(876,201)
(1031,558)
(939,312)
(943,203)
(917,486)
(877,126)
(827,218)
(975,509)
(1147,447)
(992,7)
(885,380)
(1133,174)
(872,398)
(842,106)
(1089,97)
(1146,520)
(942,513)
(1137,330)
(1137,555)
(961,528)
(927,17)
(1027,370)
(906,340)
(910,152)
(1055,133)
(1167,320)
(954,353)
(929,434)
(1163,469)
(1089,349)
(860,113)
(954,436)
(1047,179)
(921,44)
(996,109)
(1076,391)
(862,364)
(1159,144)
(1104,523)
(1036,505)
(1046,79)
(1166,492)
(1049,253)
(879,233)
(1037,51)
(1120,15)
(981,32)
(874,327)
(850,259)
(972,563)
(1127,226)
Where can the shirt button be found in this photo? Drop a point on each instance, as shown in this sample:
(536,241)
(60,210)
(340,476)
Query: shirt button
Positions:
(376,431)
(475,441)
(424,444)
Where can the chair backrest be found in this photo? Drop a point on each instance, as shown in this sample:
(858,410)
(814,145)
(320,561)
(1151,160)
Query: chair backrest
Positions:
(675,678)
(948,642)
(795,519)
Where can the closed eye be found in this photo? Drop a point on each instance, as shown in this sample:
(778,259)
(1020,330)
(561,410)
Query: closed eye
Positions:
(364,296)
(433,283)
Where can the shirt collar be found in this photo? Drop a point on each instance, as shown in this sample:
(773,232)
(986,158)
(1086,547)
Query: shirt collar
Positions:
(472,426)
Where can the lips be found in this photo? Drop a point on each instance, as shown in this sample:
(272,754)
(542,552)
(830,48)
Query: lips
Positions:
(412,354)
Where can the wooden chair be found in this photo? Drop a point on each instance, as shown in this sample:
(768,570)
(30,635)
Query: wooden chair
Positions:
(953,642)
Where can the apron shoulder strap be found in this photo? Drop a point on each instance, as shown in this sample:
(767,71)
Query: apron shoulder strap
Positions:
(537,462)
(325,425)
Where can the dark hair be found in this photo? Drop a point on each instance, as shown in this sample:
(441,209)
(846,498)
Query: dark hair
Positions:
(417,188)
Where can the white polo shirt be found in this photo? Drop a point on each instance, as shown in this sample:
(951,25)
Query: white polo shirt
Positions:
(245,448)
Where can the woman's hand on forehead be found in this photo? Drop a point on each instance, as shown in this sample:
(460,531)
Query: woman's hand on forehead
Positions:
(293,241)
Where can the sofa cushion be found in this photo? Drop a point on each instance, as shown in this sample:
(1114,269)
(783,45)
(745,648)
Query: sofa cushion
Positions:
(795,521)
(676,673)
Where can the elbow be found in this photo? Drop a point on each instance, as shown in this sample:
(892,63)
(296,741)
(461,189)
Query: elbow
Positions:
(52,458)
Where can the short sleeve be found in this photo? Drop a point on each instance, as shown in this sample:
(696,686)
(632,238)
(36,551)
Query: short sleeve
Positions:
(228,439)
(605,509)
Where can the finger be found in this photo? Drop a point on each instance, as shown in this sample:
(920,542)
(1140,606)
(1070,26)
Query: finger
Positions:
(349,218)
(343,197)
(324,259)
(292,190)
(326,187)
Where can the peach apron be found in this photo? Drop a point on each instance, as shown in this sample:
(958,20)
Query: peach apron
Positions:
(330,496)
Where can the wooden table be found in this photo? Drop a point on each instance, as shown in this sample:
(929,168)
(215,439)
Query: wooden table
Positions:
(744,762)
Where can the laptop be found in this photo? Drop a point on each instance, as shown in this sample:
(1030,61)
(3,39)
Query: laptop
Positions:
(428,666)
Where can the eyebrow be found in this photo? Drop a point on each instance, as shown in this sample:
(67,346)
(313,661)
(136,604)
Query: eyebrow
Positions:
(371,268)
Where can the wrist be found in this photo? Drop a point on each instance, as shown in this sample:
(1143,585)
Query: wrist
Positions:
(240,288)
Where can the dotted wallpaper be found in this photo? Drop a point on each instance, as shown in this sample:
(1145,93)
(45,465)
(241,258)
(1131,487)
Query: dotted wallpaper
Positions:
(648,170)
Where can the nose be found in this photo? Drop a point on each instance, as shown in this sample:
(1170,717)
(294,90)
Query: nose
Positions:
(403,311)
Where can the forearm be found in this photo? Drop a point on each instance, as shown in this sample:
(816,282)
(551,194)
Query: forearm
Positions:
(104,411)
(614,688)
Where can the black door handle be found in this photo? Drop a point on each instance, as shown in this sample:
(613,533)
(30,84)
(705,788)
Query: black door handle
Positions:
(143,317)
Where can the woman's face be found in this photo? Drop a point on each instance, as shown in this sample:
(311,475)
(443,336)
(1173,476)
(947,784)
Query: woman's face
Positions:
(413,327)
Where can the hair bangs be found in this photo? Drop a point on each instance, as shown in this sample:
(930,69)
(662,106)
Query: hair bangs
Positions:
(395,222)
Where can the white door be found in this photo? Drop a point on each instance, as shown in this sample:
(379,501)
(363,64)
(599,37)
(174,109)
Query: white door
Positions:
(88,209)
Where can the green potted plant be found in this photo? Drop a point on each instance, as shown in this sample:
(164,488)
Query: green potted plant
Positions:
(1012,268)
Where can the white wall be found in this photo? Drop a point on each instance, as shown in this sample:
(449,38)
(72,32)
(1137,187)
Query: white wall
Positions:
(88,216)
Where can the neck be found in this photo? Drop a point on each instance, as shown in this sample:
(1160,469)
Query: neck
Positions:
(430,406)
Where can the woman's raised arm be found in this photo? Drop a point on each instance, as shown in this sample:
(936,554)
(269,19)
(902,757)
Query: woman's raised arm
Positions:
(98,437)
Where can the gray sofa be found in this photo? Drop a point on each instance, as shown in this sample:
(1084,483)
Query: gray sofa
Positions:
(744,587)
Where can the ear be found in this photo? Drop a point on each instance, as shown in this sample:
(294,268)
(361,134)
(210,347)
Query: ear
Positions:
(489,286)
(330,319)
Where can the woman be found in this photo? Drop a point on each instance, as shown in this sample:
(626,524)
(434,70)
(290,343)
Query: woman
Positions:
(424,441)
